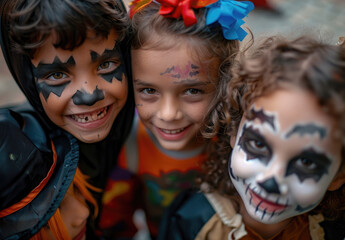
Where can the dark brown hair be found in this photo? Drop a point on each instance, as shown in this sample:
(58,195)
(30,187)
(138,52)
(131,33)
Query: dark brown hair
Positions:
(304,62)
(31,22)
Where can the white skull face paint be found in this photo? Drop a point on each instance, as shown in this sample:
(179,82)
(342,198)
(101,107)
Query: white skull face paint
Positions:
(285,156)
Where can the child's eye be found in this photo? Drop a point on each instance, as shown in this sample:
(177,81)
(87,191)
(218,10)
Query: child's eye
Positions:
(307,164)
(57,76)
(257,147)
(148,91)
(193,91)
(107,66)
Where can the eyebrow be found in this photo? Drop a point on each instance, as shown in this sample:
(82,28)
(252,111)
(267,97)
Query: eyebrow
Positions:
(57,65)
(262,117)
(309,128)
(108,53)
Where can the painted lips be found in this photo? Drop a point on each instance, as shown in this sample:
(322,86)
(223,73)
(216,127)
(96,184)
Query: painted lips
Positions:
(264,204)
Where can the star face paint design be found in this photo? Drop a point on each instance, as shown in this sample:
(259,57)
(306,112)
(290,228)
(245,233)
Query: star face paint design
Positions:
(190,70)
(84,98)
(279,172)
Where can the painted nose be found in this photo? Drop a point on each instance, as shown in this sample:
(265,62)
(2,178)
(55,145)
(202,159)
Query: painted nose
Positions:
(270,185)
(169,110)
(82,97)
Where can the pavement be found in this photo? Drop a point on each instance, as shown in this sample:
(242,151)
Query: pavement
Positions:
(324,19)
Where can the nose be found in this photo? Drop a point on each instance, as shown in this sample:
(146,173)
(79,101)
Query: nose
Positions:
(169,109)
(270,185)
(88,91)
(273,179)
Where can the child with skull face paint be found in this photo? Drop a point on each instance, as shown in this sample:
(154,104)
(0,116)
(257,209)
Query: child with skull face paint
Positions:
(177,60)
(70,59)
(284,118)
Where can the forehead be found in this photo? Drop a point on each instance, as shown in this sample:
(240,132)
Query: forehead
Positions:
(47,53)
(291,106)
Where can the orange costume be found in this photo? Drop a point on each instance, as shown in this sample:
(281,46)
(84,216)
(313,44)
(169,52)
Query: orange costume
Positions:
(148,177)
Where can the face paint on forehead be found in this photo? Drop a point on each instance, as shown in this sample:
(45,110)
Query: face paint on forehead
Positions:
(190,70)
(44,69)
(262,116)
(84,98)
(309,164)
(118,72)
(304,129)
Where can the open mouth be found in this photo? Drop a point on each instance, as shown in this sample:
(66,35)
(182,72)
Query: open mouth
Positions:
(91,116)
(266,205)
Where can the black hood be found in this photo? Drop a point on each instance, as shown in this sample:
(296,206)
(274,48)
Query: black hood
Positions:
(21,69)
(96,159)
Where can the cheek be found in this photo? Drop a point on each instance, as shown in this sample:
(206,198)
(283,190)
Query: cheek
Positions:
(117,89)
(308,192)
(243,168)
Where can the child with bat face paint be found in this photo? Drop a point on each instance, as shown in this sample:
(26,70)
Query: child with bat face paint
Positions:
(177,61)
(284,129)
(71,60)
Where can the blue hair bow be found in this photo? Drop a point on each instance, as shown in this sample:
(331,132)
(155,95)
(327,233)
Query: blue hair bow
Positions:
(229,14)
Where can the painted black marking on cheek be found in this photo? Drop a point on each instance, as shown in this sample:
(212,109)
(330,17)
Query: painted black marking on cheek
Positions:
(232,174)
(117,74)
(306,209)
(321,164)
(262,117)
(307,129)
(270,185)
(46,89)
(84,98)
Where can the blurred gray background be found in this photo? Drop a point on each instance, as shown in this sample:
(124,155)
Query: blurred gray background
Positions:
(324,19)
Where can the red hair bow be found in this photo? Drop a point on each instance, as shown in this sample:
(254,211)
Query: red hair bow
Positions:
(174,8)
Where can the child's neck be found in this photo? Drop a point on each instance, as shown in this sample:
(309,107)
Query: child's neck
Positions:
(264,230)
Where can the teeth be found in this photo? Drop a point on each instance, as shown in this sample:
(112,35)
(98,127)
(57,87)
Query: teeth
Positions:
(85,118)
(173,131)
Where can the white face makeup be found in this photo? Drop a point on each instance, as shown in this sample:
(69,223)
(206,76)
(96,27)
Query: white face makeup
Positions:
(285,156)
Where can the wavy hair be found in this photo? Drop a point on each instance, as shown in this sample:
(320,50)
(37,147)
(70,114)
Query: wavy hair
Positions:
(304,62)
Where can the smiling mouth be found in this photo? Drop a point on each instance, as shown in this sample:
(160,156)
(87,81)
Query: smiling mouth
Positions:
(175,131)
(91,116)
(265,205)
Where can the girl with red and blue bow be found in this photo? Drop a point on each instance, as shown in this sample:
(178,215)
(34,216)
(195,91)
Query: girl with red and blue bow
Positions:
(181,53)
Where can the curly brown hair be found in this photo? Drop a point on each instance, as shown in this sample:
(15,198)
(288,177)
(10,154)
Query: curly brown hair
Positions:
(153,31)
(30,23)
(304,62)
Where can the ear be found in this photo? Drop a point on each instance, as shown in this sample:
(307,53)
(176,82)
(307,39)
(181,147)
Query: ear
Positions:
(338,181)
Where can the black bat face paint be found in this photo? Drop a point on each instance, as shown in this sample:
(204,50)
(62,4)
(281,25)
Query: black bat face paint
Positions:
(118,72)
(84,98)
(52,71)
